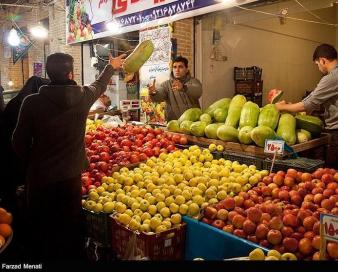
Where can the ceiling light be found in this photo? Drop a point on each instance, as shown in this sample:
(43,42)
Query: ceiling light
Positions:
(39,31)
(113,27)
(13,37)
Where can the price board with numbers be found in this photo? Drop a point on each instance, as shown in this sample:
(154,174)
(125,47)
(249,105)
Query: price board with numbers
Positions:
(274,147)
(328,231)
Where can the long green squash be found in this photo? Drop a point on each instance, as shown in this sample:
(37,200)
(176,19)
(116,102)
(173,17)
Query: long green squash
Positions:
(310,123)
(220,115)
(138,57)
(234,112)
(210,131)
(287,128)
(261,133)
(249,115)
(303,135)
(219,104)
(244,135)
(227,133)
(192,114)
(173,126)
(197,128)
(269,116)
(185,126)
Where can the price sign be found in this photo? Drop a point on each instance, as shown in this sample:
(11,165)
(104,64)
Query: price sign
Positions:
(274,147)
(328,232)
(329,225)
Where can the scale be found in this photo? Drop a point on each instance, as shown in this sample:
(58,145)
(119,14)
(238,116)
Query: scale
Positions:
(130,110)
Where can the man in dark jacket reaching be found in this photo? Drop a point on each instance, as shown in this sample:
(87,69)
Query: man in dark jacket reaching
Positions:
(49,137)
(180,92)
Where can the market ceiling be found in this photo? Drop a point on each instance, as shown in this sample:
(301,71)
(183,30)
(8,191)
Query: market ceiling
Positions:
(12,10)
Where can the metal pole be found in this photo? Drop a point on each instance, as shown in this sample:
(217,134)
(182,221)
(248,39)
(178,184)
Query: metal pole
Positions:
(44,57)
(21,6)
(82,74)
(22,71)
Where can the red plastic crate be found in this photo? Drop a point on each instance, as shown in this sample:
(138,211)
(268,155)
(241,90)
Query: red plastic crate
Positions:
(166,245)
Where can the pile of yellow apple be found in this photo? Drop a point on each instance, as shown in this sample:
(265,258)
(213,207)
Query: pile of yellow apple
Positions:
(153,196)
(92,125)
(272,255)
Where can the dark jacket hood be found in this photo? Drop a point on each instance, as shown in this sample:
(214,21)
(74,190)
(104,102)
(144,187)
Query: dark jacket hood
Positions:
(31,86)
(64,96)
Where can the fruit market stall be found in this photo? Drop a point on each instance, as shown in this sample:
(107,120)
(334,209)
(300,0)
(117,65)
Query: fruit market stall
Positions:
(146,199)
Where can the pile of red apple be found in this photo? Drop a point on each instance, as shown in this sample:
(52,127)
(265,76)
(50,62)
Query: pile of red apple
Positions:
(107,148)
(282,212)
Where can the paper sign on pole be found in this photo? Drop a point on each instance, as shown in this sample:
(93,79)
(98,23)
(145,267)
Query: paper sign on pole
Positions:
(274,146)
(328,231)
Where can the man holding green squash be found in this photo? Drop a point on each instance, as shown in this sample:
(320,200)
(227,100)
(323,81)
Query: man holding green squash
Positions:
(180,92)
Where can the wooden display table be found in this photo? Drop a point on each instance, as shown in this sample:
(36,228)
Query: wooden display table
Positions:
(252,150)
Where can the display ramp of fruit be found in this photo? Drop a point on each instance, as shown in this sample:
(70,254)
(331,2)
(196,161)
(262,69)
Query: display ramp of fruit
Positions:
(236,120)
(137,58)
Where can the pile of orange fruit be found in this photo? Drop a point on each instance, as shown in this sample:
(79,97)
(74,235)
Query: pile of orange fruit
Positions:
(5,226)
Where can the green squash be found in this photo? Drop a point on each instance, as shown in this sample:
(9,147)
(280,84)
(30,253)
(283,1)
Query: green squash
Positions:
(287,128)
(249,115)
(269,116)
(234,112)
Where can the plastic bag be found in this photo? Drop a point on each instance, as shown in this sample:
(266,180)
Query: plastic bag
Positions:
(111,121)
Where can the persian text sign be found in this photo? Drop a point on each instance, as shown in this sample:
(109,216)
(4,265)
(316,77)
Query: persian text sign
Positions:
(87,19)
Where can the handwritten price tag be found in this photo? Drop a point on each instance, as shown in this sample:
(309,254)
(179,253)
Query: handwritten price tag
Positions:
(274,147)
(329,227)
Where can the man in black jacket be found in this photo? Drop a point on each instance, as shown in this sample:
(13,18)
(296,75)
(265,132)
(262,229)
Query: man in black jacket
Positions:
(13,173)
(49,137)
(2,102)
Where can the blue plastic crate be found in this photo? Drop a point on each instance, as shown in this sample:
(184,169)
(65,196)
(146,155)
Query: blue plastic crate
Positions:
(209,243)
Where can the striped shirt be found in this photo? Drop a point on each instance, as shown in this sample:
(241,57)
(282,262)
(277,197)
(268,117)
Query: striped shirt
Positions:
(326,94)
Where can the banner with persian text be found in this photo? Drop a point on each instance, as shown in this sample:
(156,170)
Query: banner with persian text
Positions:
(87,19)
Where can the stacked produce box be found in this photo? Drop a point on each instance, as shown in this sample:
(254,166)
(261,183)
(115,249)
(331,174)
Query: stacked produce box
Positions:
(248,82)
